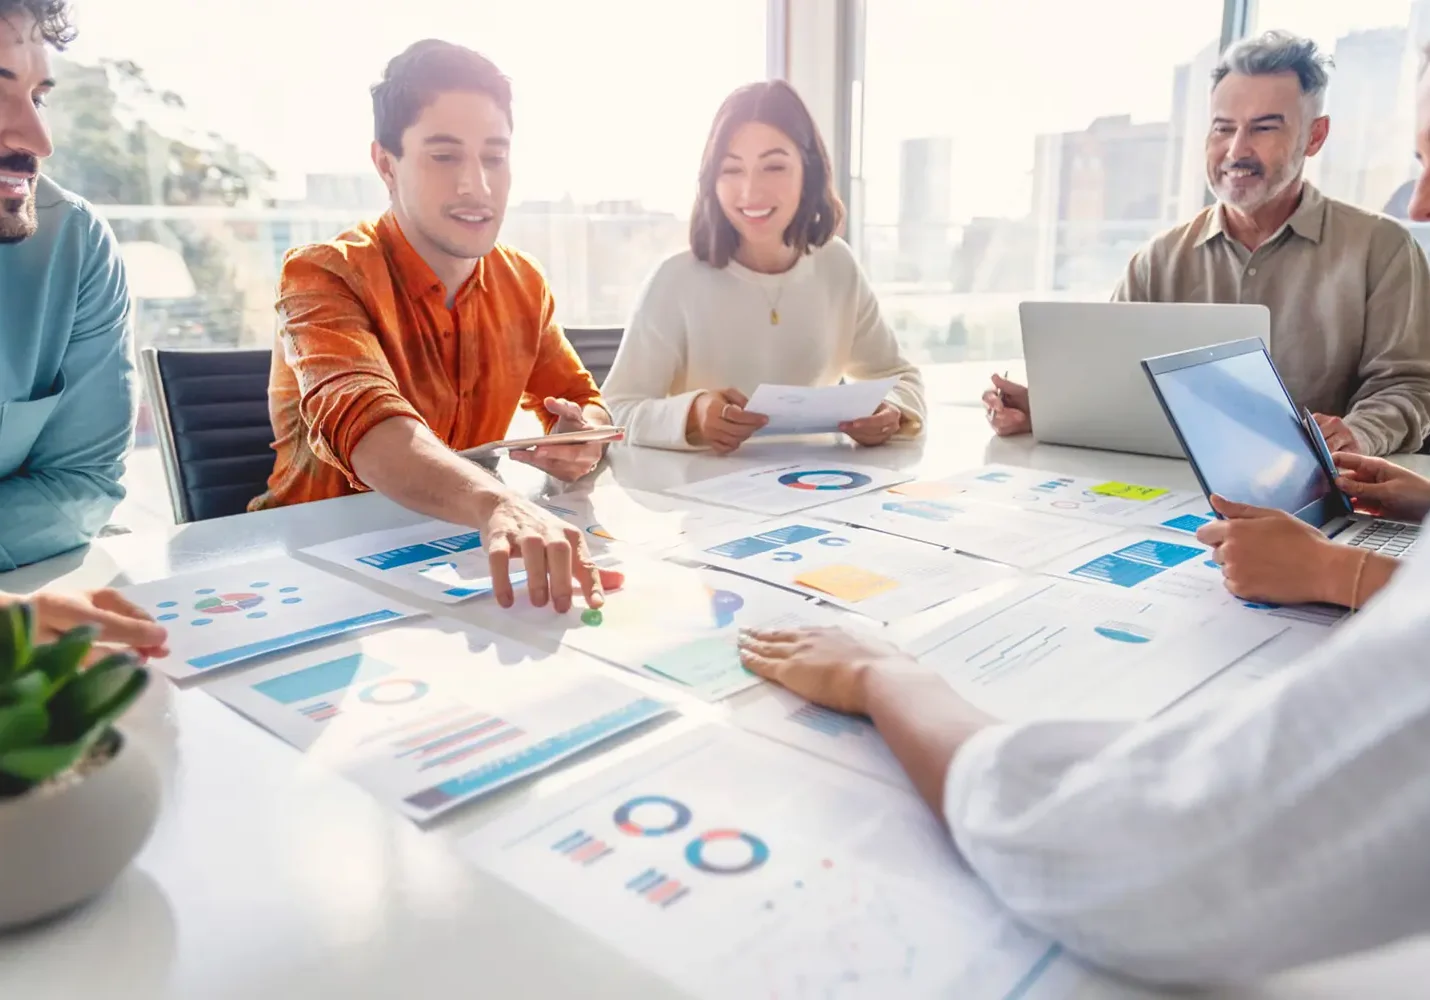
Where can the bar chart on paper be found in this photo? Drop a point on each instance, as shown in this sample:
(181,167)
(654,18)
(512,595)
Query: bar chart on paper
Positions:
(435,559)
(874,574)
(426,719)
(779,891)
(226,616)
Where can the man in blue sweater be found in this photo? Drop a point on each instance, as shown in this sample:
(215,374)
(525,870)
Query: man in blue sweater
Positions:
(66,371)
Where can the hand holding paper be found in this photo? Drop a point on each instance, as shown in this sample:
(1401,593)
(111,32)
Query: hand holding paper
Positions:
(799,409)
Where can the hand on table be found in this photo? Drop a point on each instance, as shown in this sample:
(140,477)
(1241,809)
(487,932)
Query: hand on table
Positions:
(877,428)
(1007,407)
(1338,435)
(1268,555)
(121,623)
(567,462)
(718,418)
(554,554)
(1383,486)
(828,666)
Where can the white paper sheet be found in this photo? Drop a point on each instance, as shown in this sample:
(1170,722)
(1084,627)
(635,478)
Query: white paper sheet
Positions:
(805,409)
(635,517)
(220,617)
(677,624)
(1085,498)
(846,740)
(737,867)
(790,487)
(868,572)
(429,717)
(1004,534)
(434,559)
(1053,648)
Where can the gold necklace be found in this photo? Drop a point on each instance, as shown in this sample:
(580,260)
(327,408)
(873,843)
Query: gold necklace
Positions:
(774,303)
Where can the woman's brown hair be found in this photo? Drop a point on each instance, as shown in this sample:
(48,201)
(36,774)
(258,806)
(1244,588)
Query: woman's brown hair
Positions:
(820,214)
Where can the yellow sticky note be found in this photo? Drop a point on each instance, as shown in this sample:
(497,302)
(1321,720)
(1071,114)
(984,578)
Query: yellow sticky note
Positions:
(848,583)
(1128,491)
(925,490)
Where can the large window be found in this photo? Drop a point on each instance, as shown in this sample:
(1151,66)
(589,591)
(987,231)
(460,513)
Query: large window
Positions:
(1020,150)
(214,138)
(1369,159)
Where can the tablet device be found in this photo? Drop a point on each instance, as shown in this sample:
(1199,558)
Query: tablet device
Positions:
(598,434)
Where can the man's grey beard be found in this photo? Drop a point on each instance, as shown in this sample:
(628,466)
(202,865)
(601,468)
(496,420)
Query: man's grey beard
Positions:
(17,219)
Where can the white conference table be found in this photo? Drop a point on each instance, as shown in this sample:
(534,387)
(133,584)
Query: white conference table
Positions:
(269,877)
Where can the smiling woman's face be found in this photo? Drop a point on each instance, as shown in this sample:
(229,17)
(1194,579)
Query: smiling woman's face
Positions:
(759,184)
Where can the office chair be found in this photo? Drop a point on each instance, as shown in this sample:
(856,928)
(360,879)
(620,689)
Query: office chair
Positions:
(211,418)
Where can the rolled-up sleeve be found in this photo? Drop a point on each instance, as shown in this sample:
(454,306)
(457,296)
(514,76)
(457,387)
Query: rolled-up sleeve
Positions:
(1227,842)
(1390,410)
(346,386)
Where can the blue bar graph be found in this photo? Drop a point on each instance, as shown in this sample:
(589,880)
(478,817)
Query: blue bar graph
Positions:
(406,555)
(1136,564)
(822,720)
(1187,522)
(226,656)
(325,678)
(753,545)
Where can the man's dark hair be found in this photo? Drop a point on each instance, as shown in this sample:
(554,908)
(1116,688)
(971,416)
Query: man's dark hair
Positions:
(772,102)
(52,18)
(422,71)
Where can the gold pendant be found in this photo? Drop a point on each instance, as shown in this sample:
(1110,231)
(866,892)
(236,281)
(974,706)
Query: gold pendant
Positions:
(774,317)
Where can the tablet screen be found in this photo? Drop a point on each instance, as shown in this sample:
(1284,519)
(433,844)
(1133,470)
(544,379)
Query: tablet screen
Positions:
(1244,434)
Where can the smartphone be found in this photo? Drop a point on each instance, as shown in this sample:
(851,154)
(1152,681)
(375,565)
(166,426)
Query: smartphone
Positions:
(600,434)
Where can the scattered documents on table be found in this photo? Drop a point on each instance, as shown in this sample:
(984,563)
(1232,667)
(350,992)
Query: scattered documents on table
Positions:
(431,716)
(805,409)
(847,740)
(1053,648)
(675,623)
(1004,534)
(434,559)
(222,616)
(635,517)
(737,867)
(1107,501)
(877,575)
(790,487)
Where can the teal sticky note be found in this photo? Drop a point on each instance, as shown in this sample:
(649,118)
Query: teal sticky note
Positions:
(710,667)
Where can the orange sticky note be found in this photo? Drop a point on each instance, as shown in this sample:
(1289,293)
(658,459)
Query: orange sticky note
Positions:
(925,490)
(848,583)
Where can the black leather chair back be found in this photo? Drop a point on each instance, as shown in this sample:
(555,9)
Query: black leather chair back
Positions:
(596,346)
(211,414)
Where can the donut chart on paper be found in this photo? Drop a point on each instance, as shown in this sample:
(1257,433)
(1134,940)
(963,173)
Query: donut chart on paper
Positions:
(756,852)
(824,479)
(658,815)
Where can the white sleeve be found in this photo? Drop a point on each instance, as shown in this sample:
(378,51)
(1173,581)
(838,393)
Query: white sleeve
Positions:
(651,355)
(875,355)
(1283,827)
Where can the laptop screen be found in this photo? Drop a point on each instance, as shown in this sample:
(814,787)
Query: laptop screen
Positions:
(1244,435)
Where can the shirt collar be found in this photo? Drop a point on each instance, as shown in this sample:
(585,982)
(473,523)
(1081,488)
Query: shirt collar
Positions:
(416,274)
(1307,221)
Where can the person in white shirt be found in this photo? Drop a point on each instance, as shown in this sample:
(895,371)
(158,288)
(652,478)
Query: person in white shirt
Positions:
(767,293)
(1214,843)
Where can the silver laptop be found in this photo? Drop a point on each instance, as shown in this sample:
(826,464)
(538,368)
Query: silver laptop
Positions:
(1247,441)
(1085,380)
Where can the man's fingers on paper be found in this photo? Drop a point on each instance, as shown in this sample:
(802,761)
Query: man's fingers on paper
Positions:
(560,568)
(533,555)
(499,562)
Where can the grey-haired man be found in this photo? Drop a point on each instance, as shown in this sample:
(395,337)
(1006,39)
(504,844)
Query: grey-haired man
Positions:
(1348,290)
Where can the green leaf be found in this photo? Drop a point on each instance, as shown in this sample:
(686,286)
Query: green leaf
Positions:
(96,696)
(22,726)
(60,661)
(27,687)
(16,632)
(36,764)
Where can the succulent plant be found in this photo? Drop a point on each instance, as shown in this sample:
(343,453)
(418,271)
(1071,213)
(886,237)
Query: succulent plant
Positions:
(55,711)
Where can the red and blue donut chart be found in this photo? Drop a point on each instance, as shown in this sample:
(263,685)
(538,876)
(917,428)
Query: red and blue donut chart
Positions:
(759,852)
(824,479)
(679,816)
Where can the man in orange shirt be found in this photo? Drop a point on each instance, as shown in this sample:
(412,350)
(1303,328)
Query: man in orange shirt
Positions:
(405,340)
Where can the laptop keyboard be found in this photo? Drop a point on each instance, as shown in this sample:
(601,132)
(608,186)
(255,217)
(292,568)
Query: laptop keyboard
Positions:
(1388,538)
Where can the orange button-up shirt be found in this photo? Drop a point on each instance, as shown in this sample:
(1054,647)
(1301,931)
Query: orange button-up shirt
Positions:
(365,334)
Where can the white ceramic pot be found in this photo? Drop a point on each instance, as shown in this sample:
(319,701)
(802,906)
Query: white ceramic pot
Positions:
(62,845)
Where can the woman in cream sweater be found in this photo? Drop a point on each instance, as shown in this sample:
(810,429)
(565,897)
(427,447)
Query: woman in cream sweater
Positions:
(766,293)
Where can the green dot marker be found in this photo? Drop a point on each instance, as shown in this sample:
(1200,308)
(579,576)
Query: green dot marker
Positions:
(591,616)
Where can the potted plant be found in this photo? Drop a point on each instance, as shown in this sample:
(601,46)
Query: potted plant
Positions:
(77,800)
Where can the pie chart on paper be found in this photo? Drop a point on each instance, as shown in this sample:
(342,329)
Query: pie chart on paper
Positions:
(825,479)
